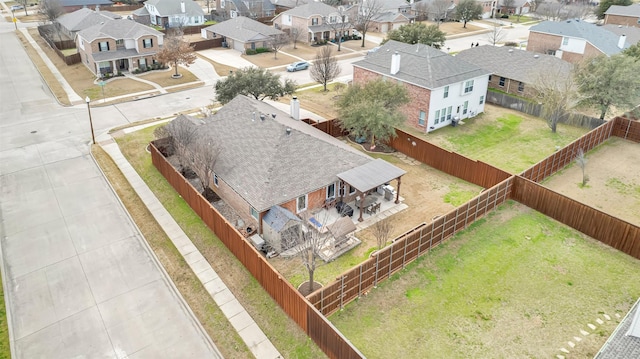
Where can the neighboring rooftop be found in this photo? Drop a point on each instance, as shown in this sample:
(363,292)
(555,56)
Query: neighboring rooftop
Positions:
(118,29)
(87,3)
(632,10)
(84,18)
(604,40)
(278,217)
(173,7)
(515,64)
(421,65)
(310,9)
(632,33)
(243,29)
(625,340)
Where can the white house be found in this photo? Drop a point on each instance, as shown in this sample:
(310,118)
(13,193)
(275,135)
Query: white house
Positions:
(170,13)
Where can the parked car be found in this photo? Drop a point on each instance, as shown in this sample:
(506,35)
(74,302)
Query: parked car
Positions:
(296,66)
(16,7)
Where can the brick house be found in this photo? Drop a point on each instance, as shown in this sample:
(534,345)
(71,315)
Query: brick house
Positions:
(392,15)
(442,88)
(71,23)
(242,33)
(268,159)
(117,46)
(623,15)
(574,40)
(317,19)
(513,71)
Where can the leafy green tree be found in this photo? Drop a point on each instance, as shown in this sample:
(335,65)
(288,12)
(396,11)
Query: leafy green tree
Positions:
(468,10)
(371,110)
(609,81)
(633,51)
(606,4)
(418,33)
(255,82)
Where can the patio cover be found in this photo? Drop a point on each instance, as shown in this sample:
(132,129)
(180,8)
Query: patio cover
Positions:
(342,227)
(371,175)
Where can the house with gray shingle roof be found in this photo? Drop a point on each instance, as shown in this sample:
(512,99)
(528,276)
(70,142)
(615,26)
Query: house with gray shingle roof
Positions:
(242,33)
(117,46)
(574,40)
(248,8)
(623,15)
(170,13)
(514,71)
(81,19)
(318,20)
(625,340)
(73,5)
(268,159)
(392,15)
(443,89)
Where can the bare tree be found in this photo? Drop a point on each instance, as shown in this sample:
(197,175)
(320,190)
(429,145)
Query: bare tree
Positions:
(205,155)
(507,6)
(557,93)
(496,35)
(183,135)
(325,67)
(278,42)
(296,34)
(440,10)
(367,11)
(560,11)
(382,230)
(581,161)
(176,51)
(50,11)
(535,4)
(422,10)
(25,4)
(339,24)
(308,245)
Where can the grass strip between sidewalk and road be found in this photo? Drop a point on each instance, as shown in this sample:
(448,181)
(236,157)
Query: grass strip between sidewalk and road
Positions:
(5,351)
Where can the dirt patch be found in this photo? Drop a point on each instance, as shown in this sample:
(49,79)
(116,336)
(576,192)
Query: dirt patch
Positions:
(613,186)
(454,28)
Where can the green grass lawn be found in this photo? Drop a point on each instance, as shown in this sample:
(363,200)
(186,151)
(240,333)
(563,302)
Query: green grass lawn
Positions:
(5,351)
(288,338)
(514,285)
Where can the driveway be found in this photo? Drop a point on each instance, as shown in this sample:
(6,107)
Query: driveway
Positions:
(79,279)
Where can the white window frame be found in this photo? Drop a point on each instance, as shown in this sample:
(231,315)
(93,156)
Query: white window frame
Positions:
(144,43)
(446,91)
(254,213)
(449,112)
(306,203)
(465,107)
(215,180)
(443,114)
(334,191)
(106,47)
(422,118)
(437,117)
(468,86)
(481,99)
(565,41)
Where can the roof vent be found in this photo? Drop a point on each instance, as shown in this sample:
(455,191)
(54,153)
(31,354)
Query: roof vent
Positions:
(262,117)
(273,115)
(288,131)
(536,56)
(254,116)
(510,50)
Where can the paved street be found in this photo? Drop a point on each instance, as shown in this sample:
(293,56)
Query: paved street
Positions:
(79,279)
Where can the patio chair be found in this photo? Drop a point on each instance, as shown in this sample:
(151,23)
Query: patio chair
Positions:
(376,207)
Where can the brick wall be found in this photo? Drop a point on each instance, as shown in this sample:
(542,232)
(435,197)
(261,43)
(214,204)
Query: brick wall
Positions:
(155,46)
(622,20)
(238,203)
(511,87)
(541,43)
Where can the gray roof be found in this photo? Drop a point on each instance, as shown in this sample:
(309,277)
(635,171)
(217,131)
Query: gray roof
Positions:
(118,29)
(393,4)
(91,3)
(624,342)
(116,55)
(519,65)
(263,164)
(603,40)
(632,33)
(84,18)
(371,175)
(243,29)
(310,9)
(278,217)
(172,7)
(390,16)
(289,3)
(141,12)
(632,10)
(421,65)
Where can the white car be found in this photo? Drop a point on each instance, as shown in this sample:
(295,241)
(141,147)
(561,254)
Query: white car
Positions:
(16,7)
(296,66)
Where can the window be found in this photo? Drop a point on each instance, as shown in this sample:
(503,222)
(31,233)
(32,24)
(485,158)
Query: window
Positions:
(333,19)
(352,190)
(449,113)
(481,100)
(446,91)
(331,191)
(215,180)
(421,118)
(147,43)
(520,87)
(501,83)
(314,21)
(468,86)
(466,105)
(437,116)
(254,213)
(119,42)
(565,41)
(443,114)
(302,203)
(489,78)
(103,46)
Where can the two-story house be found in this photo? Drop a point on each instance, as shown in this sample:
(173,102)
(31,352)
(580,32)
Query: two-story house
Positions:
(574,40)
(443,89)
(318,20)
(71,23)
(255,9)
(391,15)
(170,13)
(623,15)
(117,46)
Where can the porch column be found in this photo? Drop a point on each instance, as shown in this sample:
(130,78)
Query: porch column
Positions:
(398,191)
(360,219)
(342,188)
(114,67)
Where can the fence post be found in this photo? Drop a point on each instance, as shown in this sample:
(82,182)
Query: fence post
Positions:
(375,281)
(341,291)
(360,283)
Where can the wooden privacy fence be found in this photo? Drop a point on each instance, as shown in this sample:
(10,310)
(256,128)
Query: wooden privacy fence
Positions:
(316,326)
(627,129)
(405,249)
(609,230)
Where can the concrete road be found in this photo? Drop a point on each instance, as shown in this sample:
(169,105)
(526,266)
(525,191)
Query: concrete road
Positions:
(80,282)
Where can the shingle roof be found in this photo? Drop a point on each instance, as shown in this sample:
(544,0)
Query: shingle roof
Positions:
(390,16)
(620,344)
(310,9)
(394,4)
(87,3)
(84,18)
(421,65)
(632,33)
(519,65)
(604,40)
(243,29)
(172,7)
(289,3)
(278,217)
(118,29)
(141,12)
(632,10)
(263,164)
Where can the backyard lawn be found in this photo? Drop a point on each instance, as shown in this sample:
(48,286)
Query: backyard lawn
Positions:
(514,285)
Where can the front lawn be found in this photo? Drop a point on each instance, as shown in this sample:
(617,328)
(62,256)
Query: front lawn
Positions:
(516,284)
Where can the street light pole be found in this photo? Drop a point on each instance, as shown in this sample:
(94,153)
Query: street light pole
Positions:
(93,137)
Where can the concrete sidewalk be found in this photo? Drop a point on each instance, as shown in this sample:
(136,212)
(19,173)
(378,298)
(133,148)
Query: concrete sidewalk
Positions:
(251,334)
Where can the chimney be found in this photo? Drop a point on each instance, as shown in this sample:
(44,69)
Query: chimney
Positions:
(97,8)
(295,108)
(622,40)
(182,7)
(395,63)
